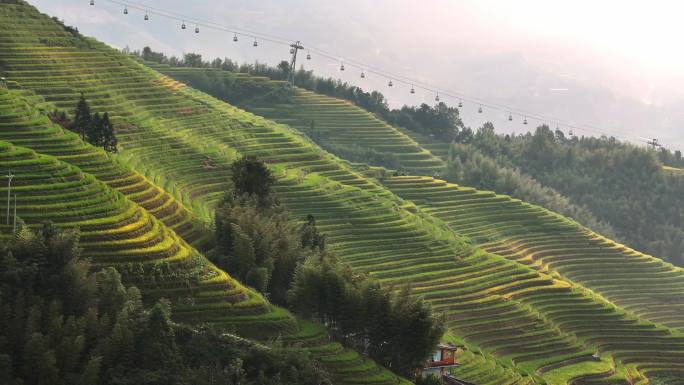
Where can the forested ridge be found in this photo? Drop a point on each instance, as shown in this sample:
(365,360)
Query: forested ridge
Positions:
(622,184)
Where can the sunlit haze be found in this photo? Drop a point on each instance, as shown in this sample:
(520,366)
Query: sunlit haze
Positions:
(613,65)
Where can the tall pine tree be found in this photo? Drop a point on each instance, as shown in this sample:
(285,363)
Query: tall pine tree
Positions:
(82,117)
(109,141)
(94,131)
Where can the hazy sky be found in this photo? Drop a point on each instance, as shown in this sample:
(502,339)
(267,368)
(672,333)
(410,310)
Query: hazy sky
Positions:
(617,65)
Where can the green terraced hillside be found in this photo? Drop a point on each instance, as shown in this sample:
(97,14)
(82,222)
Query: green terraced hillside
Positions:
(185,140)
(24,125)
(336,121)
(117,232)
(522,323)
(536,237)
(437,147)
(28,127)
(645,291)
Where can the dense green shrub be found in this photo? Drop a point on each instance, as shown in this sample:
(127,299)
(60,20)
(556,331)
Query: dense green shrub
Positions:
(260,245)
(252,177)
(394,328)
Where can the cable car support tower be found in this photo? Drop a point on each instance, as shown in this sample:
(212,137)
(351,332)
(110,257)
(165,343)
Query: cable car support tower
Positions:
(294,48)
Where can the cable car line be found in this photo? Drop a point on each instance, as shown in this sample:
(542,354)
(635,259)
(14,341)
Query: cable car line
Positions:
(204,23)
(438,91)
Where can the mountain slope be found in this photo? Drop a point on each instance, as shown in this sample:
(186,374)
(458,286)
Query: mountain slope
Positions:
(116,232)
(251,315)
(29,128)
(159,129)
(520,323)
(645,287)
(611,179)
(526,218)
(338,124)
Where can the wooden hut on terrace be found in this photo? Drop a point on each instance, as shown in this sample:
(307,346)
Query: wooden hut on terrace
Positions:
(444,357)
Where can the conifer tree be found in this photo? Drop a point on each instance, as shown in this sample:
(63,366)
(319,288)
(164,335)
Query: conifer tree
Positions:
(5,368)
(40,363)
(158,342)
(109,141)
(252,177)
(94,130)
(243,251)
(90,375)
(82,117)
(310,236)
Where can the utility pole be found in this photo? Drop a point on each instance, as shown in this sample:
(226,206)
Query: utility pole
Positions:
(9,177)
(294,48)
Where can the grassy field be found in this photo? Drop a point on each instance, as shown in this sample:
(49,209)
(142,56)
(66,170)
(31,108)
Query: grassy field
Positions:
(532,295)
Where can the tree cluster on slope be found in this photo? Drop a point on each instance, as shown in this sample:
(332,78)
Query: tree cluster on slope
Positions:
(394,328)
(259,244)
(95,129)
(61,324)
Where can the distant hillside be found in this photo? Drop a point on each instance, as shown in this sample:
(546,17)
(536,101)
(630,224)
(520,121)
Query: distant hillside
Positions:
(359,136)
(618,182)
(338,125)
(521,287)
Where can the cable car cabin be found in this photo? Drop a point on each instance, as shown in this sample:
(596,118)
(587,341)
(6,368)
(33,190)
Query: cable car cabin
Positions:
(444,357)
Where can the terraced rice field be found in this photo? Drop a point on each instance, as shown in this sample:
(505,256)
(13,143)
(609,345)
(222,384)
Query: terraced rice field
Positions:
(627,304)
(336,121)
(117,232)
(523,321)
(151,117)
(438,148)
(22,124)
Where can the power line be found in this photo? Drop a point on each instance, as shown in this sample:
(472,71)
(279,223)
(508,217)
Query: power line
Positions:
(366,69)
